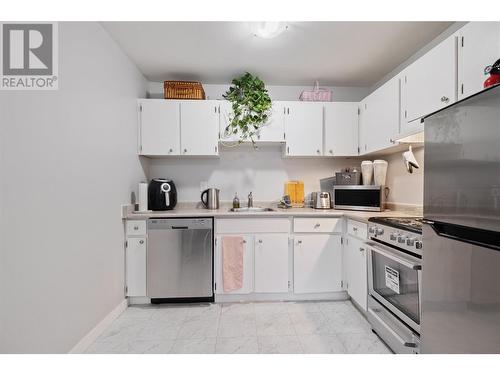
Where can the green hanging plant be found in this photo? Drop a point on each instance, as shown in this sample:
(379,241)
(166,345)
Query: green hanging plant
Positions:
(251,105)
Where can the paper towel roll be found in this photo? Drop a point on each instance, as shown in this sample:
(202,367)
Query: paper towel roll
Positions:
(143,196)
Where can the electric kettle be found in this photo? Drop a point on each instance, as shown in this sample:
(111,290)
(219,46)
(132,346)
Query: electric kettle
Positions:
(162,194)
(210,198)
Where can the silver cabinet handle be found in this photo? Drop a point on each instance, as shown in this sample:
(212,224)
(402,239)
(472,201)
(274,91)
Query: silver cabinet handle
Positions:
(317,225)
(260,241)
(355,229)
(361,249)
(318,151)
(141,242)
(445,99)
(185,150)
(136,228)
(244,241)
(331,151)
(299,242)
(288,149)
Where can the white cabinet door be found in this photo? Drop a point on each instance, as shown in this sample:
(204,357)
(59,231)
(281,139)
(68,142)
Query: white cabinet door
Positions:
(356,271)
(379,113)
(271,263)
(303,128)
(317,263)
(200,127)
(248,265)
(429,84)
(159,128)
(478,47)
(341,129)
(273,129)
(135,267)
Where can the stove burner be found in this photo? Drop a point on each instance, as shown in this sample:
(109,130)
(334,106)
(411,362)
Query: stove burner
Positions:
(412,224)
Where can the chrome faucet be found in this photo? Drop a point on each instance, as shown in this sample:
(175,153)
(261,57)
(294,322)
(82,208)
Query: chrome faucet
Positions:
(250,200)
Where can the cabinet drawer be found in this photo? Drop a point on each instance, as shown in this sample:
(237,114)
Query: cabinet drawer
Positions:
(317,225)
(136,227)
(357,229)
(237,225)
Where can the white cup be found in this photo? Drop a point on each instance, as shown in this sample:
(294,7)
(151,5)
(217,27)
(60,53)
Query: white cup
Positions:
(379,172)
(367,172)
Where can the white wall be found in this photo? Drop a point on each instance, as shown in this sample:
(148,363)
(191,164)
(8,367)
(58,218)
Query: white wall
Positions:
(242,170)
(339,94)
(406,188)
(70,163)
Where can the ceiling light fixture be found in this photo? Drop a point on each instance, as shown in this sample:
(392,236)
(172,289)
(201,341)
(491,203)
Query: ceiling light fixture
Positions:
(268,30)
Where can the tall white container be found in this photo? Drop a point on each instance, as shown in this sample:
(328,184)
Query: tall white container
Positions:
(379,172)
(143,196)
(367,172)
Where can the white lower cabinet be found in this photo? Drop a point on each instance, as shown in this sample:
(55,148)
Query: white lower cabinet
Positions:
(317,265)
(135,261)
(248,264)
(271,263)
(355,272)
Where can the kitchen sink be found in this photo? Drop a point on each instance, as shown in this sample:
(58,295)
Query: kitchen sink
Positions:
(251,209)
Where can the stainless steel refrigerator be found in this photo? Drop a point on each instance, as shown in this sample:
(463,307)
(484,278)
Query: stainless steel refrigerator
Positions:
(461,235)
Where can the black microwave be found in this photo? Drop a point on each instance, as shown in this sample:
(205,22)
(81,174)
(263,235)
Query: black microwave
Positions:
(359,197)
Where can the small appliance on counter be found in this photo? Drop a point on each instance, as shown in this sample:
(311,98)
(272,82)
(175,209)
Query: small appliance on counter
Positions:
(321,200)
(349,176)
(162,194)
(210,199)
(359,197)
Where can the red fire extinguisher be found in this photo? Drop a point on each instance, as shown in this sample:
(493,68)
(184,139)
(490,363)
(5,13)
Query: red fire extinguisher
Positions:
(494,72)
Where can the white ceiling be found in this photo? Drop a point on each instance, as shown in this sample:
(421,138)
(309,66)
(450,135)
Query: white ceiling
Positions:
(335,53)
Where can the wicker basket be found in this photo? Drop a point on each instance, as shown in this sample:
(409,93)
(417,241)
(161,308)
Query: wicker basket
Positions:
(317,94)
(183,90)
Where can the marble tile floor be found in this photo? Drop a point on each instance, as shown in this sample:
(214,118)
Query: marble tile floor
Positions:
(329,327)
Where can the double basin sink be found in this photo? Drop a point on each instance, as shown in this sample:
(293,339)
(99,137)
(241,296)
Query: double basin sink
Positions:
(251,209)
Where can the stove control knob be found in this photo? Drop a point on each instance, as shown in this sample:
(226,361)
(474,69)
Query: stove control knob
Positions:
(379,231)
(410,241)
(401,239)
(394,236)
(418,245)
(371,230)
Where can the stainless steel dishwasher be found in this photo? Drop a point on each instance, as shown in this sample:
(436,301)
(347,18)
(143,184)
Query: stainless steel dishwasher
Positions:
(180,260)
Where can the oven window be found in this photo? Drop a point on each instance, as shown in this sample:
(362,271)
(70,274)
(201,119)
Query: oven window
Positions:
(397,284)
(357,197)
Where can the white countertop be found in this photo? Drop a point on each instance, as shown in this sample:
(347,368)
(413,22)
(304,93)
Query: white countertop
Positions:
(194,210)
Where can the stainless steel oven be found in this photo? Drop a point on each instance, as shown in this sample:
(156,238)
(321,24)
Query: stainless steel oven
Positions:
(395,281)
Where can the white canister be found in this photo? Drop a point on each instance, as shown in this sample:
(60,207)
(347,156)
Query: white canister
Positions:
(379,172)
(143,196)
(367,172)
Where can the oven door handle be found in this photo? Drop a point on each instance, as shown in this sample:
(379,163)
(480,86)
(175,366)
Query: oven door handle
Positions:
(389,254)
(402,341)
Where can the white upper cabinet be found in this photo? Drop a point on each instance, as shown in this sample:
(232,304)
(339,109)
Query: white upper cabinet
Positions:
(478,47)
(429,84)
(159,127)
(271,131)
(379,117)
(341,129)
(199,127)
(303,128)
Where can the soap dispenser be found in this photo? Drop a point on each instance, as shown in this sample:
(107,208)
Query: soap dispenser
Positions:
(236,201)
